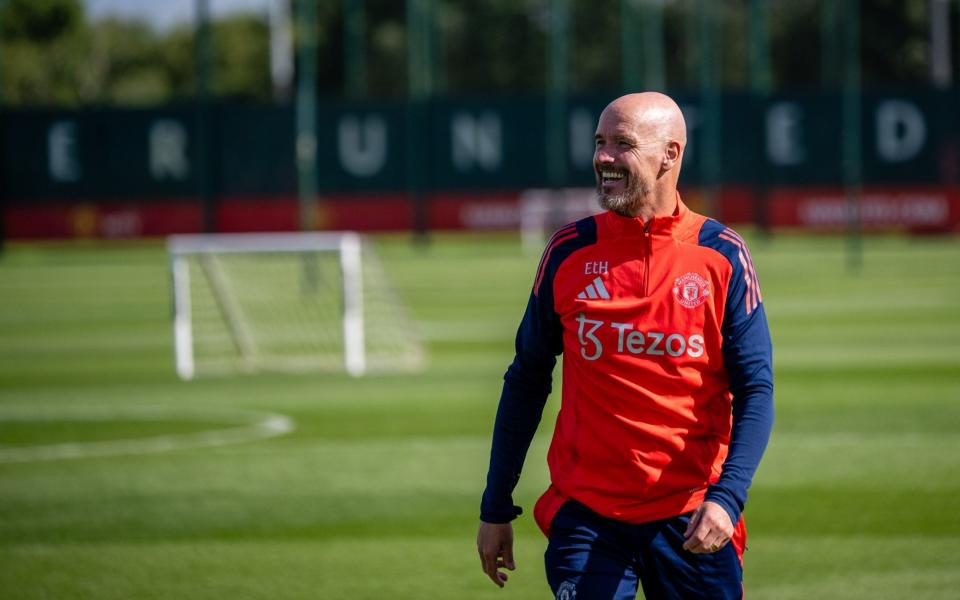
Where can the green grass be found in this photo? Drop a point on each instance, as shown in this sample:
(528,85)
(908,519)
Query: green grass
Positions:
(28,431)
(375,493)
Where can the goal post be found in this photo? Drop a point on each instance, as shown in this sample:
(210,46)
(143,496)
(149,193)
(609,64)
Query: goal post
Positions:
(353,338)
(285,302)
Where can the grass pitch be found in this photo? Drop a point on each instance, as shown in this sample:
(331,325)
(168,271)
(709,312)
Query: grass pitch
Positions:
(375,492)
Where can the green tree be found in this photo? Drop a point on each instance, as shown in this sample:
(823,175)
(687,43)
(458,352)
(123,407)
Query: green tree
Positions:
(496,46)
(51,55)
(39,21)
(177,58)
(123,65)
(241,58)
(42,50)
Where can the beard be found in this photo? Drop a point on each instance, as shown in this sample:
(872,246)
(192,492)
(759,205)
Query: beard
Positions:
(627,202)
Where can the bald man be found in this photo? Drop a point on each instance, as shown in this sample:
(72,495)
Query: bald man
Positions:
(667,384)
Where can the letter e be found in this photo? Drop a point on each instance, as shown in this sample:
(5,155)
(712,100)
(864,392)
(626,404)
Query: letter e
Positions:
(62,152)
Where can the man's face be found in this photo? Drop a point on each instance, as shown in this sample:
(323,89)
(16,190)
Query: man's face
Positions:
(626,160)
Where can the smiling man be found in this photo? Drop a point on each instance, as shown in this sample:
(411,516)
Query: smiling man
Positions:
(667,384)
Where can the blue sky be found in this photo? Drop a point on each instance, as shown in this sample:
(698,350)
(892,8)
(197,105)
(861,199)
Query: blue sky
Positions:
(166,13)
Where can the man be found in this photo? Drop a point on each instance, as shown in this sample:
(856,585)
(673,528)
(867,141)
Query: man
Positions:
(667,384)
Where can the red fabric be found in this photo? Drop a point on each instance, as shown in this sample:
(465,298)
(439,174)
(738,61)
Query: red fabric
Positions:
(546,508)
(739,539)
(628,460)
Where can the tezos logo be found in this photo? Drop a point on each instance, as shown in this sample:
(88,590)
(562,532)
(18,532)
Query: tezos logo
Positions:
(632,341)
(691,290)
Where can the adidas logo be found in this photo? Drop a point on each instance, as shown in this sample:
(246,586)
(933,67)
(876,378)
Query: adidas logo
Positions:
(594,290)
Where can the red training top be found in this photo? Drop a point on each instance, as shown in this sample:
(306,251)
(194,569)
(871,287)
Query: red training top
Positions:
(666,357)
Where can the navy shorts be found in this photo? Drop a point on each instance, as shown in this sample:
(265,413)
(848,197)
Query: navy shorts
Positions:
(591,557)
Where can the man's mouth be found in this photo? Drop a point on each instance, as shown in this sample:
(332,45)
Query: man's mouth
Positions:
(609,177)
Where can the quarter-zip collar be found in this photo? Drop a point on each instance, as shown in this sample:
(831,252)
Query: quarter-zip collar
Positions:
(675,225)
(647,236)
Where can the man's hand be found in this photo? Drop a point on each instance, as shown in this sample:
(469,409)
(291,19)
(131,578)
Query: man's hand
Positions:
(709,529)
(495,545)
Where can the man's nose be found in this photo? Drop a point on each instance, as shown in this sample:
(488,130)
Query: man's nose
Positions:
(602,156)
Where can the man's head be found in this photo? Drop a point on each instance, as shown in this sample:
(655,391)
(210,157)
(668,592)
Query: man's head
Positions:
(639,147)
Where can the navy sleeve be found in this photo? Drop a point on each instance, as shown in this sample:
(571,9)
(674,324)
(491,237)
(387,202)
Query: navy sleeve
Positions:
(748,358)
(527,382)
(526,386)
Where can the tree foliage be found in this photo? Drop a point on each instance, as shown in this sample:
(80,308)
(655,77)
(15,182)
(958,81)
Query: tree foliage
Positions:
(40,20)
(50,53)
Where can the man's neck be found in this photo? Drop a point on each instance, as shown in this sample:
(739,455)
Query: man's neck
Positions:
(660,203)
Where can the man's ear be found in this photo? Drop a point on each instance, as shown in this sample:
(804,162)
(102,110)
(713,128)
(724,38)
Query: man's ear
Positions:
(671,155)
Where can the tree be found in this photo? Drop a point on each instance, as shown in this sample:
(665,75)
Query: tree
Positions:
(41,50)
(52,55)
(241,58)
(40,21)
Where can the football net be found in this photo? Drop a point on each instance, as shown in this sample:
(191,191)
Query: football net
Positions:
(286,302)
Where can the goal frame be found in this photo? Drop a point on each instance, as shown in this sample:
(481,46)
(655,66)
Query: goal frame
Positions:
(347,244)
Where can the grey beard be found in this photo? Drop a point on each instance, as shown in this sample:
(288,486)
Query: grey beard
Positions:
(627,203)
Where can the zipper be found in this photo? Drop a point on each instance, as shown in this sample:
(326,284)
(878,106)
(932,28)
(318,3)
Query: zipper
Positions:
(647,250)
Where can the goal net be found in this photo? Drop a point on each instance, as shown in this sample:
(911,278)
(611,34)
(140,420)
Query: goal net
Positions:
(286,302)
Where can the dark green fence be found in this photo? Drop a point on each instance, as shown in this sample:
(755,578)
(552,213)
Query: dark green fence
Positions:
(461,144)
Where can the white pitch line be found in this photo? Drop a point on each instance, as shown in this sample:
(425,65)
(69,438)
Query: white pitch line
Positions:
(266,426)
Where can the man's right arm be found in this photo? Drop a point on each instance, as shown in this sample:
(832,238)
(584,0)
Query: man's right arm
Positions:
(527,383)
(526,386)
(528,380)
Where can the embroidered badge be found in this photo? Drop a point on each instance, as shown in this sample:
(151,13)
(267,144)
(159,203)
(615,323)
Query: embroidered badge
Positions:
(691,290)
(567,591)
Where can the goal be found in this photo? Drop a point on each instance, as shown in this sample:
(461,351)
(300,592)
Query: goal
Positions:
(317,301)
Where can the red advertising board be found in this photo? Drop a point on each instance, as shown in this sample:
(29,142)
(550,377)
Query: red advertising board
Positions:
(914,209)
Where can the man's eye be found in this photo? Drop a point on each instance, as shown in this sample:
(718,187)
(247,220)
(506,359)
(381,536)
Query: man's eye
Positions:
(624,144)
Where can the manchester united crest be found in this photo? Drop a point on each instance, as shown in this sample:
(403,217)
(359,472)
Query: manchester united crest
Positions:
(691,290)
(567,591)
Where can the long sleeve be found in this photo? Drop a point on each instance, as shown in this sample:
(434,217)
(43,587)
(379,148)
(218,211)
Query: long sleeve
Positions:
(527,383)
(747,353)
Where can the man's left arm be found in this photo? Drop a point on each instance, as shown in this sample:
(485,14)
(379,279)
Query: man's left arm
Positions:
(748,358)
